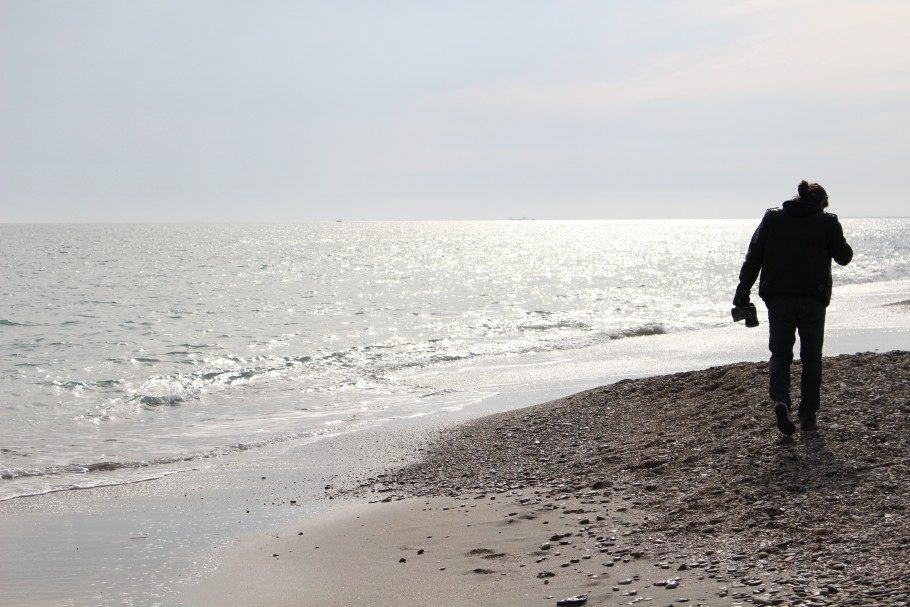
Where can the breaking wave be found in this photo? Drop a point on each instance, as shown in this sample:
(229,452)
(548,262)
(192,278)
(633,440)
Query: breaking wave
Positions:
(89,468)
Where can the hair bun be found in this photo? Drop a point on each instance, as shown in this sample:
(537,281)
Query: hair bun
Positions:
(803,188)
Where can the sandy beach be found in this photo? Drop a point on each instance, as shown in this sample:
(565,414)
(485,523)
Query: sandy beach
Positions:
(675,489)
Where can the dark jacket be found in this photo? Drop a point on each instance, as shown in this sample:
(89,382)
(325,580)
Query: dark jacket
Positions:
(793,248)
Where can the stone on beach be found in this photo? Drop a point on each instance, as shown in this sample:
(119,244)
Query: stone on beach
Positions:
(573,601)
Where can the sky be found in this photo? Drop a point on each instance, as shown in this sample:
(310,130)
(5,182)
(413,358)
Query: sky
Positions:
(197,110)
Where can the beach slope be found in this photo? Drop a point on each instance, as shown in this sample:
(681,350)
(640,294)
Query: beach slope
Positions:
(672,487)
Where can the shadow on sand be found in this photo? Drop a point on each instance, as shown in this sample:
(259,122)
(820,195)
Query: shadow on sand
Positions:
(805,463)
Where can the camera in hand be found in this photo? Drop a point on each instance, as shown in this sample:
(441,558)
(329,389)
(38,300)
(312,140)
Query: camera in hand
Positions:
(747,313)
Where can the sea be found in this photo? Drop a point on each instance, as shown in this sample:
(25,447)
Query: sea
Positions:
(129,352)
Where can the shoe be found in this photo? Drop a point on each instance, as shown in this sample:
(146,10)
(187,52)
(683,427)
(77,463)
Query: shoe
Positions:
(784,423)
(808,424)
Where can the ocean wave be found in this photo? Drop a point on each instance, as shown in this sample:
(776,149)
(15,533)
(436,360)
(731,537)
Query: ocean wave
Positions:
(5,322)
(372,368)
(81,384)
(429,357)
(640,331)
(95,484)
(157,401)
(342,369)
(561,324)
(110,466)
(593,338)
(178,388)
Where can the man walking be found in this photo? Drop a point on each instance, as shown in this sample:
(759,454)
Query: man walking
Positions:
(792,248)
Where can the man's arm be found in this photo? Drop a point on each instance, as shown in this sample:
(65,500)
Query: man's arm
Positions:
(752,266)
(841,252)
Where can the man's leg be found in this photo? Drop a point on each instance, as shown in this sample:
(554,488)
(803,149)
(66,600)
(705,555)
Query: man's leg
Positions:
(811,324)
(782,334)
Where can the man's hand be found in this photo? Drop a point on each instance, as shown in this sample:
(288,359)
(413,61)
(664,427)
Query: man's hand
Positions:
(741,298)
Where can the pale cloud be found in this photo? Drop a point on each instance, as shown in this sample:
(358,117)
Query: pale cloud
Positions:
(806,49)
(467,109)
(749,6)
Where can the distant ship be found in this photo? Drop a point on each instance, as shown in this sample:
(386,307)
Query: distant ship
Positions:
(521,219)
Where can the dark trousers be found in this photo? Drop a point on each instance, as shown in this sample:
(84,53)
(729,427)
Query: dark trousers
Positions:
(788,314)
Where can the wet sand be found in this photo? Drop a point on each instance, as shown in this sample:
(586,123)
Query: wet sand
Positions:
(499,550)
(617,491)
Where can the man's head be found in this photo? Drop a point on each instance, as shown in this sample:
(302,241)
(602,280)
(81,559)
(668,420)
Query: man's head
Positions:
(813,194)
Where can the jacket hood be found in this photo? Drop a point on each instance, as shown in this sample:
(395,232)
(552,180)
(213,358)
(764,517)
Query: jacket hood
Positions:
(800,208)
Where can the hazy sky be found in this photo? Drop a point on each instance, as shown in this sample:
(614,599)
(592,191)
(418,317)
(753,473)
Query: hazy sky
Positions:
(197,110)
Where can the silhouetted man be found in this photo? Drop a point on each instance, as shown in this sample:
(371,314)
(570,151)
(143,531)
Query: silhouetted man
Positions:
(793,248)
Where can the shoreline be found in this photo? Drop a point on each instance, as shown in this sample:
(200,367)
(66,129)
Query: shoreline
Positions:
(645,489)
(184,541)
(511,380)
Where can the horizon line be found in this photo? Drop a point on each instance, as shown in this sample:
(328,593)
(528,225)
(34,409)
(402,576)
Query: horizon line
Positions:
(332,221)
(342,220)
